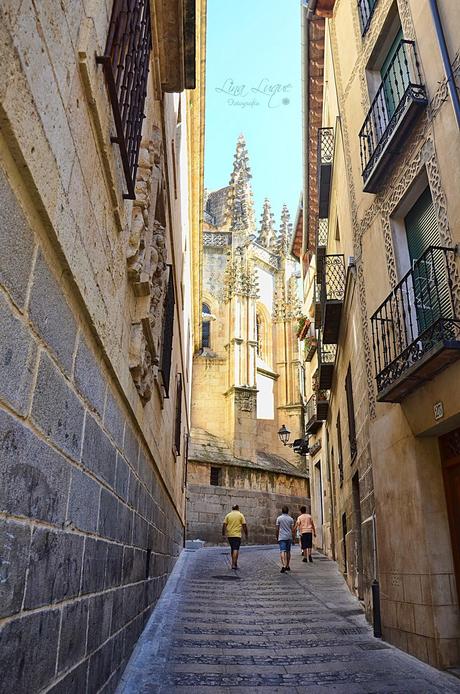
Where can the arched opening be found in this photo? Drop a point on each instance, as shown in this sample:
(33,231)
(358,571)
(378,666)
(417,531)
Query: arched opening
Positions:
(206,326)
(260,335)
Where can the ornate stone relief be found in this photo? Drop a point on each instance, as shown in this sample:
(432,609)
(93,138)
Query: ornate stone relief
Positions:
(245,399)
(147,269)
(240,278)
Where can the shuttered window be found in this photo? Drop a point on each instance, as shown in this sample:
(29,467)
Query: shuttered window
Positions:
(421,226)
(339,449)
(351,415)
(432,299)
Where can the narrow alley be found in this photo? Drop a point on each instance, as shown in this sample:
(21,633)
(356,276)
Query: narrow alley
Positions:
(216,631)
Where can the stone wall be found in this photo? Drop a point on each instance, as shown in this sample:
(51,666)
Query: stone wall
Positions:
(88,533)
(91,474)
(207,507)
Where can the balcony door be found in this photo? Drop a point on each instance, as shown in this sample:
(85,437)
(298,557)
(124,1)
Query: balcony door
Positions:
(430,288)
(395,76)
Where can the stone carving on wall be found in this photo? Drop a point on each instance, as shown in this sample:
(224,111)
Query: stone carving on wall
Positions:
(279,300)
(267,234)
(240,277)
(147,269)
(245,399)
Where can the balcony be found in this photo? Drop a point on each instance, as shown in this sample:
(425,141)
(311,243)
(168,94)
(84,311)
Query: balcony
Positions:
(400,99)
(326,362)
(332,295)
(416,331)
(310,343)
(321,244)
(317,300)
(325,158)
(316,411)
(366,11)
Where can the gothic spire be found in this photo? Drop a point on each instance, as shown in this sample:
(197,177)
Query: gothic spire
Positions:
(240,208)
(267,234)
(285,231)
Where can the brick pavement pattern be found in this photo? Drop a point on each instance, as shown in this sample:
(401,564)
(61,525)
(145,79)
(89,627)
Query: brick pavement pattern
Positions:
(215,630)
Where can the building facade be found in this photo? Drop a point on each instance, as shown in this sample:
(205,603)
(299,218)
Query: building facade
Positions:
(381,278)
(246,369)
(98,228)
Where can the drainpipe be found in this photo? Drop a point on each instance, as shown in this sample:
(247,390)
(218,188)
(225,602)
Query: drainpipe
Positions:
(446,60)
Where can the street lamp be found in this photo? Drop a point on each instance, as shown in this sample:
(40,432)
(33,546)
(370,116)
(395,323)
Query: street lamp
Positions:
(284,435)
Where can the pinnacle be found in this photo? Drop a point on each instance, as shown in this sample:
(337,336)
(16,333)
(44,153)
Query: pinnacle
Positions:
(267,234)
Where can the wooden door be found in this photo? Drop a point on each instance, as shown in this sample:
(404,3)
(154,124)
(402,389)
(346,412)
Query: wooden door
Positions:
(450,452)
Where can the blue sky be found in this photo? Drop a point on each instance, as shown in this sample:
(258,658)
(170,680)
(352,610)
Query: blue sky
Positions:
(253,86)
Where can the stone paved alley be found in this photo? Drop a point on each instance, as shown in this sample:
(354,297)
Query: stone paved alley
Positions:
(213,631)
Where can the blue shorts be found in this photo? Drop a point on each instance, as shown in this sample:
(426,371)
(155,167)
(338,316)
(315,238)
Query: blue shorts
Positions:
(285,545)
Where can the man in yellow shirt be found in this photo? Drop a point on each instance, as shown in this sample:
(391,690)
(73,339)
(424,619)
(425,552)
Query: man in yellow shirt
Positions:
(234,522)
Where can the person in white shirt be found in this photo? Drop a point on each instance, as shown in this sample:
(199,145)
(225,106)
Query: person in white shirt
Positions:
(285,534)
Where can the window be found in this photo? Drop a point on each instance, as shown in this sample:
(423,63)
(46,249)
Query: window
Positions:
(260,335)
(351,415)
(339,449)
(126,65)
(206,326)
(178,423)
(168,328)
(216,474)
(344,540)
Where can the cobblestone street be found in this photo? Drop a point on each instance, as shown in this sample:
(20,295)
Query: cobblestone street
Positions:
(216,631)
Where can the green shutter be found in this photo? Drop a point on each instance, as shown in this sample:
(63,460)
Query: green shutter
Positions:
(422,226)
(431,289)
(397,80)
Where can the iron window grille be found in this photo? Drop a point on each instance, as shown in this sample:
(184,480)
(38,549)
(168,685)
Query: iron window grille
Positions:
(126,65)
(417,315)
(333,280)
(168,329)
(323,225)
(215,476)
(366,9)
(401,85)
(325,146)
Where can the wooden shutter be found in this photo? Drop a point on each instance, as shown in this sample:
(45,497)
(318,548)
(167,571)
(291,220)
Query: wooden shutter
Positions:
(421,226)
(432,296)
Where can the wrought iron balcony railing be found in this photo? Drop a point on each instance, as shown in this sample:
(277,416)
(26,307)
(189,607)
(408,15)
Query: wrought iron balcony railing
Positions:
(325,160)
(316,411)
(326,363)
(366,10)
(397,103)
(126,63)
(321,244)
(416,330)
(332,296)
(317,300)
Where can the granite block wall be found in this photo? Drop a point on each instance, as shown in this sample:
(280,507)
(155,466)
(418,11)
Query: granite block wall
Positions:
(88,532)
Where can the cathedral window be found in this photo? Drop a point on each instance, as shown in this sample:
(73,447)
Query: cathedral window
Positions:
(260,330)
(206,326)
